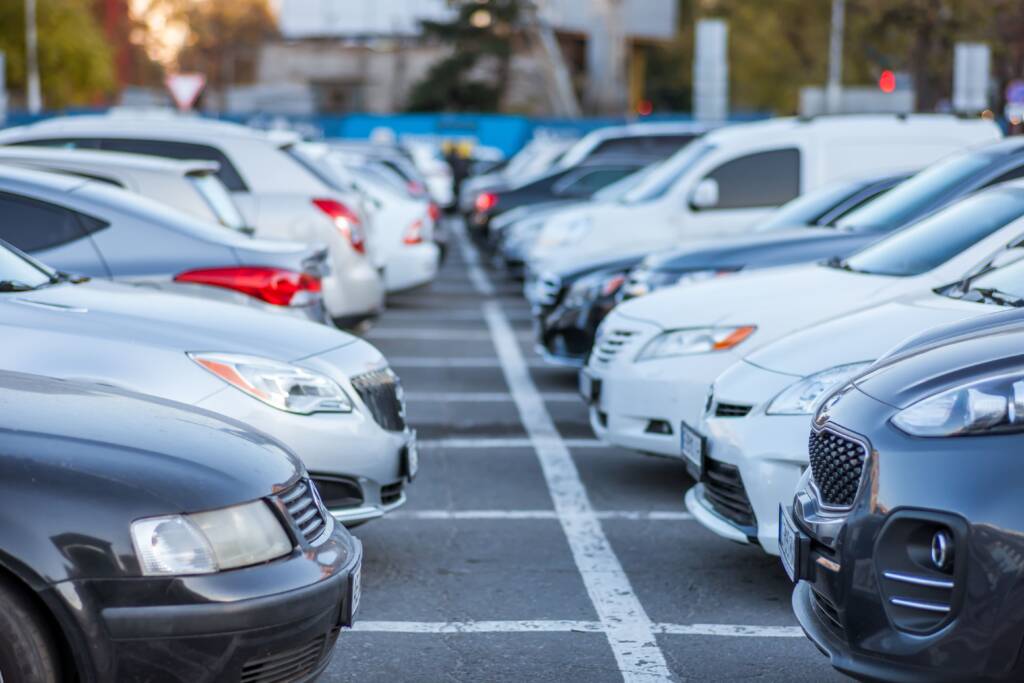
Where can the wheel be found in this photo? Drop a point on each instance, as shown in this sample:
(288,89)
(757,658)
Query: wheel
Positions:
(28,651)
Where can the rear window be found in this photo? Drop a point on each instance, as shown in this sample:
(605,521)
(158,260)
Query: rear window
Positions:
(934,240)
(651,146)
(171,149)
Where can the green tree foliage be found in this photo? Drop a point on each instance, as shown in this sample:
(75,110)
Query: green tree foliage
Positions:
(75,62)
(473,77)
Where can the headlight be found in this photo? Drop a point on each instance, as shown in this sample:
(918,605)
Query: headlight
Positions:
(802,397)
(990,406)
(281,385)
(588,289)
(564,234)
(208,542)
(694,340)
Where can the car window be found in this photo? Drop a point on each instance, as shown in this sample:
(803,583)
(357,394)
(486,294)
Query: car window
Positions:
(756,180)
(918,195)
(939,237)
(656,146)
(33,226)
(807,208)
(64,143)
(1012,174)
(588,182)
(14,268)
(218,199)
(660,181)
(171,149)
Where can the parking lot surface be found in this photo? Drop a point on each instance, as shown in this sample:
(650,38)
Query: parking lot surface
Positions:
(530,551)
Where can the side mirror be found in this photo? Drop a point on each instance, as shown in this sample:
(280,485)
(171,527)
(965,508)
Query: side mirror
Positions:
(705,195)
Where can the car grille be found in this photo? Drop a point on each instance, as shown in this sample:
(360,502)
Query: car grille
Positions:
(836,466)
(611,344)
(828,611)
(731,410)
(391,493)
(283,667)
(302,504)
(382,394)
(724,489)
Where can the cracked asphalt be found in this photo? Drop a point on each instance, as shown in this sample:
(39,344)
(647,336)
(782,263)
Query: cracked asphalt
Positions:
(475,580)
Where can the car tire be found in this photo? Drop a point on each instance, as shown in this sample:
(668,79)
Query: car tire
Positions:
(28,650)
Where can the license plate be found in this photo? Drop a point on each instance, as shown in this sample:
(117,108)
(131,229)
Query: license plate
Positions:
(357,589)
(412,458)
(789,545)
(691,443)
(590,388)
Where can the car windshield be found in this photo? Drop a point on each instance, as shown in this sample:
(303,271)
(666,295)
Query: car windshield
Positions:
(1004,285)
(219,199)
(18,274)
(809,207)
(917,196)
(936,239)
(661,180)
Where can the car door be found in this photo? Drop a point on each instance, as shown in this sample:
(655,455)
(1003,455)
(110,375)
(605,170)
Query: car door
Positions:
(57,236)
(747,188)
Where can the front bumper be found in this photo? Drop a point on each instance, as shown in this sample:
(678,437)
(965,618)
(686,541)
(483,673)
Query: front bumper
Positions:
(641,405)
(242,624)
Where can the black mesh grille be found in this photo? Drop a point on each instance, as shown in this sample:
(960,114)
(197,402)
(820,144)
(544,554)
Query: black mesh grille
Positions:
(828,611)
(283,667)
(724,489)
(382,394)
(305,510)
(731,410)
(836,465)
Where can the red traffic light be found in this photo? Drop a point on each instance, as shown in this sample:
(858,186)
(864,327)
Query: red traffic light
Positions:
(887,81)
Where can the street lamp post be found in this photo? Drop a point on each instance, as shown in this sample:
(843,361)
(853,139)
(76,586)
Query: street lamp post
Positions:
(834,90)
(35,95)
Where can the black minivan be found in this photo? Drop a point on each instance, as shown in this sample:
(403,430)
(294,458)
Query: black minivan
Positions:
(906,534)
(143,540)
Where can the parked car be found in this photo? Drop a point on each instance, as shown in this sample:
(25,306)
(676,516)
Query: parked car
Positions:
(277,196)
(904,536)
(756,426)
(87,227)
(189,186)
(734,176)
(534,159)
(656,357)
(328,396)
(167,543)
(799,231)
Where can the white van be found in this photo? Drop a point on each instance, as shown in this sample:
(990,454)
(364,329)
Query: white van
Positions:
(725,181)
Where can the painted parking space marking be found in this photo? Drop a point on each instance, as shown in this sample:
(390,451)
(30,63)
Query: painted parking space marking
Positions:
(477,276)
(511,442)
(466,362)
(514,515)
(558,626)
(435,334)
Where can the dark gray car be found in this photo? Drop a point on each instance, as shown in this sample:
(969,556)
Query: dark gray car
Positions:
(93,229)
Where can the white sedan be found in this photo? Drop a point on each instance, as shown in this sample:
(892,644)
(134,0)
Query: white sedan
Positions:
(656,357)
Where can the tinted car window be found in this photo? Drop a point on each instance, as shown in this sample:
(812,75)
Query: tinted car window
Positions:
(228,174)
(1012,174)
(660,146)
(33,226)
(656,184)
(936,239)
(589,182)
(807,208)
(763,179)
(918,195)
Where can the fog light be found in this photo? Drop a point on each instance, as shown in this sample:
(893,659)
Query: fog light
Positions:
(942,550)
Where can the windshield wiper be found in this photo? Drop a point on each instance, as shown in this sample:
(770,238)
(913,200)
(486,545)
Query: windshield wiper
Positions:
(837,262)
(14,286)
(60,276)
(999,297)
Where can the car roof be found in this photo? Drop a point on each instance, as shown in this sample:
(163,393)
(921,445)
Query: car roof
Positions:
(97,125)
(105,159)
(837,125)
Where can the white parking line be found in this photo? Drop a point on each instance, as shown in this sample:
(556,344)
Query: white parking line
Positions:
(510,442)
(486,397)
(556,626)
(467,362)
(631,515)
(481,283)
(428,334)
(624,621)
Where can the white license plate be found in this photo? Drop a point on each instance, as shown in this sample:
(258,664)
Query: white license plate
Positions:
(692,445)
(789,545)
(357,588)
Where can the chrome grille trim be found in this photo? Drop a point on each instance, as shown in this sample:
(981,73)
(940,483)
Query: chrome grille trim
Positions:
(919,580)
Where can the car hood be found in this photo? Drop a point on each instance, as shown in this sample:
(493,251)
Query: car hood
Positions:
(938,368)
(114,311)
(862,335)
(793,296)
(153,456)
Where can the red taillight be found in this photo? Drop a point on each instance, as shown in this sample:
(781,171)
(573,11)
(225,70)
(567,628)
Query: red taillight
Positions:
(414,233)
(345,220)
(273,285)
(486,201)
(612,284)
(434,211)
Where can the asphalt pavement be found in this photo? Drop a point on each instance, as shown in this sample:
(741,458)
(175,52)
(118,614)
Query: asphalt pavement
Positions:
(528,551)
